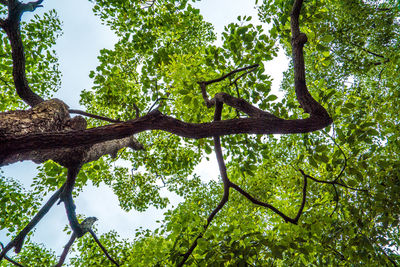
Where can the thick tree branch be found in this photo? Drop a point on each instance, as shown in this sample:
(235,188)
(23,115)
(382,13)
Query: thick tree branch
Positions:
(156,121)
(11,26)
(10,145)
(307,102)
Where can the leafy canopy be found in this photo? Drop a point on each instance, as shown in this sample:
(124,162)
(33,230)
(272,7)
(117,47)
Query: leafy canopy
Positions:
(352,68)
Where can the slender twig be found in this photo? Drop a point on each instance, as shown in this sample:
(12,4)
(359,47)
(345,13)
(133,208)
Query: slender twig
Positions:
(229,74)
(18,241)
(225,180)
(271,207)
(83,113)
(66,250)
(203,84)
(102,247)
(155,102)
(9,259)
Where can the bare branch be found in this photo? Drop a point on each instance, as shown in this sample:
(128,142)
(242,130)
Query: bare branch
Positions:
(155,120)
(271,207)
(66,197)
(225,180)
(204,84)
(307,102)
(66,250)
(83,113)
(18,241)
(9,259)
(86,227)
(102,247)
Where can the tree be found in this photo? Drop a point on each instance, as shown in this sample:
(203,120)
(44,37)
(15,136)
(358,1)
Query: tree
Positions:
(325,192)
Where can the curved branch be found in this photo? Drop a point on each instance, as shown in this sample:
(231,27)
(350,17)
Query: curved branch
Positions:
(9,259)
(225,180)
(66,250)
(102,247)
(271,207)
(11,26)
(307,102)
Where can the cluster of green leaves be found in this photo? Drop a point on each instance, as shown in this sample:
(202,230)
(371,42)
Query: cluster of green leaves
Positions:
(352,68)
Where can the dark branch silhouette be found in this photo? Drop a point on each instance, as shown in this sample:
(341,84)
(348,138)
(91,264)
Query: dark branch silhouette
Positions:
(9,259)
(102,247)
(83,113)
(66,250)
(18,241)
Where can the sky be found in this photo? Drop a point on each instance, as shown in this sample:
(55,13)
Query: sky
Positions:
(77,50)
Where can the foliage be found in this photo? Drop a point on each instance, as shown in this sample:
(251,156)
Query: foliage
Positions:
(353,70)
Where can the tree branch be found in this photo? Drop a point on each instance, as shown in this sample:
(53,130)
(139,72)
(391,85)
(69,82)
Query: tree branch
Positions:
(204,84)
(11,26)
(86,227)
(66,197)
(18,241)
(225,180)
(271,207)
(83,113)
(9,259)
(102,247)
(66,250)
(307,102)
(155,120)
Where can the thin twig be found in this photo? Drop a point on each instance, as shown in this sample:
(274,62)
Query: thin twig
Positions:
(102,247)
(66,250)
(83,113)
(244,74)
(9,259)
(229,74)
(155,102)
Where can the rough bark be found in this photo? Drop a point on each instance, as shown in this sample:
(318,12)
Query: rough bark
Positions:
(10,145)
(53,116)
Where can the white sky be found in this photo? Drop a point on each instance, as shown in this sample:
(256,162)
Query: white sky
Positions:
(77,50)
